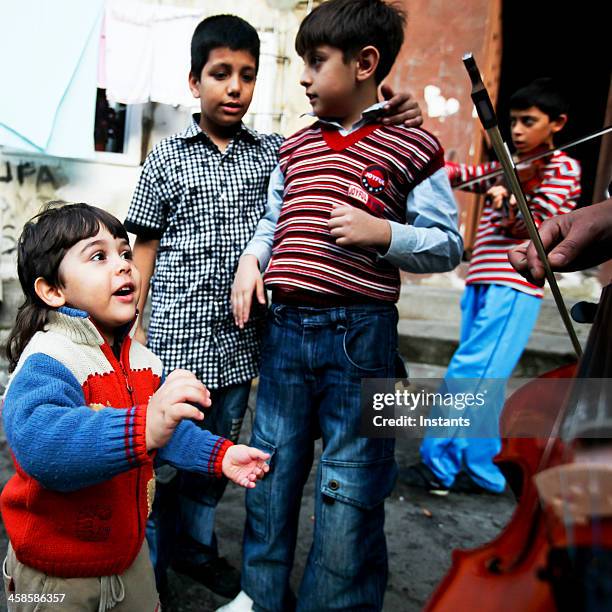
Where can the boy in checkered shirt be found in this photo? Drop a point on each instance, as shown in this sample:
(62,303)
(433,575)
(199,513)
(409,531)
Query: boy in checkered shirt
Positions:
(197,203)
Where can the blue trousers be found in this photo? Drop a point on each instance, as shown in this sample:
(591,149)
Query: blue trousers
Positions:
(310,386)
(496,322)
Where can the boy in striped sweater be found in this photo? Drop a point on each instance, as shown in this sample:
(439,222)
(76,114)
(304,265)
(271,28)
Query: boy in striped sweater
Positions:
(351,202)
(499,307)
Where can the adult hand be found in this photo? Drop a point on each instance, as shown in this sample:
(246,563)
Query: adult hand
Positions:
(574,241)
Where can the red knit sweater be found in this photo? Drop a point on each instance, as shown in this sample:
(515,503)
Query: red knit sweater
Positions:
(98,529)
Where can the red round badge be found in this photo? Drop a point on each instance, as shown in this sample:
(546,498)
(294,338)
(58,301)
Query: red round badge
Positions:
(374,178)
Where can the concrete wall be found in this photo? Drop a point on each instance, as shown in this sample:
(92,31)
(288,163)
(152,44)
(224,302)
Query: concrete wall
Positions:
(29,180)
(429,65)
(438,33)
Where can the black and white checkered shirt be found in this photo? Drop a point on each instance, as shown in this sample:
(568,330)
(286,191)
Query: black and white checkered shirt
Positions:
(203,206)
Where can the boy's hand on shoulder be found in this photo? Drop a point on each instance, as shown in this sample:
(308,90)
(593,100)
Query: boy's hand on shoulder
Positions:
(246,282)
(172,403)
(244,465)
(401,108)
(352,226)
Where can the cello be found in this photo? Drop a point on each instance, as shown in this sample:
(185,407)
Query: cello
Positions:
(562,525)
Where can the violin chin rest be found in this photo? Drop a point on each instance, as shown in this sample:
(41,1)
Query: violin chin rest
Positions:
(577,492)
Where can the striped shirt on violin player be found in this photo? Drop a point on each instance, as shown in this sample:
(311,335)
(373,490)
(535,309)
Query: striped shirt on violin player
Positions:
(552,189)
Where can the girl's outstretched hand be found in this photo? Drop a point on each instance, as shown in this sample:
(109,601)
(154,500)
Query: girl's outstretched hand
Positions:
(244,465)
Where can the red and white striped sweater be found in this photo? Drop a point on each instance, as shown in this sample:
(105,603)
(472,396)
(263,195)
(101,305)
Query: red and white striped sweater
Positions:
(373,168)
(553,191)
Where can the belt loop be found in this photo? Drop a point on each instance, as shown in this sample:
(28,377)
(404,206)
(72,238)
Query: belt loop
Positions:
(340,318)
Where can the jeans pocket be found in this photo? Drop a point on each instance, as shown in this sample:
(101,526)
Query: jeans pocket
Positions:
(351,534)
(369,345)
(272,333)
(258,500)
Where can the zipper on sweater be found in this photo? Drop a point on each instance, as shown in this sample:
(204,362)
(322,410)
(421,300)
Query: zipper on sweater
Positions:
(129,388)
(123,355)
(117,365)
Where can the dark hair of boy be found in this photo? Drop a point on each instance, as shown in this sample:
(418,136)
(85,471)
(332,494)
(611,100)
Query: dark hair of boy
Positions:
(544,94)
(41,247)
(222,31)
(350,25)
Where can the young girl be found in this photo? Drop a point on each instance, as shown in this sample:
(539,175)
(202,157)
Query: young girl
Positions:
(84,410)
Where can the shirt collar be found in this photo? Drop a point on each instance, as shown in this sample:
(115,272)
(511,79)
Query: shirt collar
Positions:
(368,115)
(195,131)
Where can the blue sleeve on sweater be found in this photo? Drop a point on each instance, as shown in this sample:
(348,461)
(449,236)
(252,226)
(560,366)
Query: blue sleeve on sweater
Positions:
(191,448)
(57,439)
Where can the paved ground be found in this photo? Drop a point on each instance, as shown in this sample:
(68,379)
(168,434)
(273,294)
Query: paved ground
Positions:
(421,532)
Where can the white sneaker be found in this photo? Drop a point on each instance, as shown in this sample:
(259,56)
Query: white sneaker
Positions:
(241,603)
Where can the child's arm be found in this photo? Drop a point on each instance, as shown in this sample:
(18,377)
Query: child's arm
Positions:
(197,450)
(145,252)
(460,173)
(429,242)
(66,445)
(257,253)
(190,448)
(147,219)
(57,439)
(552,196)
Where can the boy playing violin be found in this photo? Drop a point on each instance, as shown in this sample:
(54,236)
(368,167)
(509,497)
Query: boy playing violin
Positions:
(499,307)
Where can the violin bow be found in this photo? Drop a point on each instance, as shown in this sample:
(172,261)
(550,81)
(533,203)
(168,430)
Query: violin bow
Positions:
(488,118)
(524,163)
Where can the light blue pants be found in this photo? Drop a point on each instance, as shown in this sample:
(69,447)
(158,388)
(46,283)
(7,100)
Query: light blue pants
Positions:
(496,322)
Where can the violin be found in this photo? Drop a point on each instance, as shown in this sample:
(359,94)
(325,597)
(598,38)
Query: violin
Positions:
(530,176)
(562,525)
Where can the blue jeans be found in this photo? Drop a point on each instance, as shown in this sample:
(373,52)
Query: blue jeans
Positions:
(496,322)
(183,518)
(310,385)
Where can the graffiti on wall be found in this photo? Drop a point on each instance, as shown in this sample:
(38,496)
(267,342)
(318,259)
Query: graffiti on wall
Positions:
(25,186)
(24,170)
